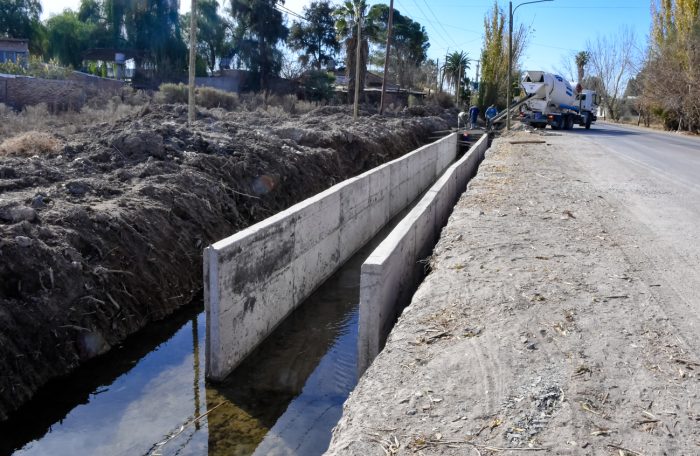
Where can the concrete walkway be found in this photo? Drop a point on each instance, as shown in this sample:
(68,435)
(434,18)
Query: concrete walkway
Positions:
(540,330)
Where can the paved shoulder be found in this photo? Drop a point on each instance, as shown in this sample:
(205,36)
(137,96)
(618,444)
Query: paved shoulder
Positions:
(538,327)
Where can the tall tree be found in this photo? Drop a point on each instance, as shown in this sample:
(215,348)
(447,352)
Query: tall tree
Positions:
(20,19)
(68,38)
(409,43)
(261,28)
(154,27)
(315,36)
(494,57)
(115,15)
(455,67)
(671,75)
(213,31)
(347,17)
(90,11)
(582,59)
(612,61)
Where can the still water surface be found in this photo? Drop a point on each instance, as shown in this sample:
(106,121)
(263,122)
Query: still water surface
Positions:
(142,398)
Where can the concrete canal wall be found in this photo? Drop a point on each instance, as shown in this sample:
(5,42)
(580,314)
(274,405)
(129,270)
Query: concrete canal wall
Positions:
(391,273)
(256,277)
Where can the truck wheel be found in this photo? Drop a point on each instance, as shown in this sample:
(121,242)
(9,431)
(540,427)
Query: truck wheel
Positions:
(560,123)
(568,122)
(588,122)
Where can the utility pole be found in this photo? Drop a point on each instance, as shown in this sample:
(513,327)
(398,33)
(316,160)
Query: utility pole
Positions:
(510,53)
(386,56)
(358,59)
(438,89)
(191,110)
(510,63)
(476,86)
(459,84)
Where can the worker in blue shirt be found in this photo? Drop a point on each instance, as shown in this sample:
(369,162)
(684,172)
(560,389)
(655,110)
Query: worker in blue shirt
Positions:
(491,112)
(473,116)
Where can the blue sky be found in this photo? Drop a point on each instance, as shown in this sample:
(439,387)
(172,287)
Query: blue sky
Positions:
(559,28)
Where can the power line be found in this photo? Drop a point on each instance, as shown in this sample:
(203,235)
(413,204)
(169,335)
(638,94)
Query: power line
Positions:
(436,30)
(283,9)
(438,22)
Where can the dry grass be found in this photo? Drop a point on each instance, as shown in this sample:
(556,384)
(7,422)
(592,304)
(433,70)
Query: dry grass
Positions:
(31,143)
(39,118)
(208,97)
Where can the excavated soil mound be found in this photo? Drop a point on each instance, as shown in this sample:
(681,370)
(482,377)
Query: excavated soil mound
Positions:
(104,234)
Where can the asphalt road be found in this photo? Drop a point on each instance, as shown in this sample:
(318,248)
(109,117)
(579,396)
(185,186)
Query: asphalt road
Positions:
(652,182)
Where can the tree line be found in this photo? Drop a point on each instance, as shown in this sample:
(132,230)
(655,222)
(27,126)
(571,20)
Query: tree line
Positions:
(253,35)
(244,34)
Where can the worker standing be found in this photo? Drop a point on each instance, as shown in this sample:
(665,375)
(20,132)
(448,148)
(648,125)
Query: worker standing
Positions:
(473,116)
(491,112)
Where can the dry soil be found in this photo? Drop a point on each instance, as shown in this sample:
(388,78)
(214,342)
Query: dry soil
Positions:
(540,330)
(104,233)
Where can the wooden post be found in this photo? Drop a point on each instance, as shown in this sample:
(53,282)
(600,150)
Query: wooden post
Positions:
(386,56)
(191,110)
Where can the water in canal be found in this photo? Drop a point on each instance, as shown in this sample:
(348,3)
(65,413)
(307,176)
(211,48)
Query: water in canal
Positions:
(142,398)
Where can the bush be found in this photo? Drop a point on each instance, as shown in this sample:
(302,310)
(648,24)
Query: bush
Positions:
(443,100)
(414,101)
(30,143)
(318,85)
(209,97)
(206,97)
(172,93)
(36,68)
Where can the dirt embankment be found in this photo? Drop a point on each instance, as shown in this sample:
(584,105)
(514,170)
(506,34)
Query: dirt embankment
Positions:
(105,234)
(538,331)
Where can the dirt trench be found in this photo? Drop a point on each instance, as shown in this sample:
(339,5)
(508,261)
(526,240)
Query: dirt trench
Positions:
(106,235)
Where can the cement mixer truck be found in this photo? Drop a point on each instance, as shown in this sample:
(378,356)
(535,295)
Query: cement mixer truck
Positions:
(550,100)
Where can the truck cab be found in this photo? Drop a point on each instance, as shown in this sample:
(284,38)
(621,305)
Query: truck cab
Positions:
(588,100)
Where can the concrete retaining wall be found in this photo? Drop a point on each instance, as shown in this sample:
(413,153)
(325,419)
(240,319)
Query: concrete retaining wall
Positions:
(391,273)
(255,278)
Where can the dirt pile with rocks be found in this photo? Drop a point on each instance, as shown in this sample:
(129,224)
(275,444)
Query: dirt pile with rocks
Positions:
(105,234)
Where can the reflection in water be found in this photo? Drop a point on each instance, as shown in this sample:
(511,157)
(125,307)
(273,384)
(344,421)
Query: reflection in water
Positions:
(283,400)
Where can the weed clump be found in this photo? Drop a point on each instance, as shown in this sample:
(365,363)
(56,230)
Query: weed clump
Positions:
(31,143)
(208,97)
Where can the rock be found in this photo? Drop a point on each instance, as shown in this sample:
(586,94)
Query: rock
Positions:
(139,143)
(16,214)
(23,241)
(7,173)
(38,202)
(77,188)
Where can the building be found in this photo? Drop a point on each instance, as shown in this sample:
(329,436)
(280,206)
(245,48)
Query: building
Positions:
(14,50)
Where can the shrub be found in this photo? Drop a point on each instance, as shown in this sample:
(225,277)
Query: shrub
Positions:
(209,97)
(442,99)
(172,93)
(287,103)
(414,101)
(30,143)
(318,85)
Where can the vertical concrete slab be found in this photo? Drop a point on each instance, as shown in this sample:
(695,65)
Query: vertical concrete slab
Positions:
(355,214)
(383,266)
(379,184)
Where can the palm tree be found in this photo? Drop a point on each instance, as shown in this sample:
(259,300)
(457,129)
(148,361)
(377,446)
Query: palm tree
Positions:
(346,19)
(456,65)
(582,59)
